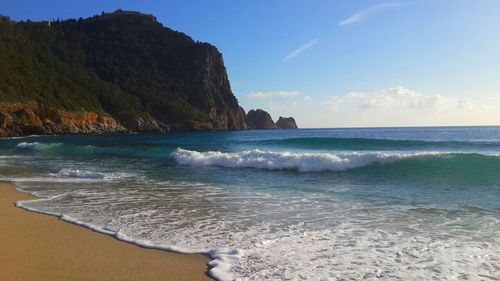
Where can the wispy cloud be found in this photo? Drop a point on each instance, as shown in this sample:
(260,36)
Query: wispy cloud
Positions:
(298,51)
(365,14)
(400,98)
(403,97)
(287,108)
(267,95)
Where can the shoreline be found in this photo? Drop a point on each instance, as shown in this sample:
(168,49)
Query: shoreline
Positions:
(36,246)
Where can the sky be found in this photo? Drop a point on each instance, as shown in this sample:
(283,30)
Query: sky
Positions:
(356,63)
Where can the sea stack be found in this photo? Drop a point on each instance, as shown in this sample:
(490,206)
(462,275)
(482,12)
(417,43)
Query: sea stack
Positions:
(286,123)
(259,119)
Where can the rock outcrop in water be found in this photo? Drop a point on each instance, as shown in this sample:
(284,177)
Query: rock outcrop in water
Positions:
(123,68)
(259,119)
(286,123)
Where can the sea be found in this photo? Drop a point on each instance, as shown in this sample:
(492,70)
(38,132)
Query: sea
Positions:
(307,204)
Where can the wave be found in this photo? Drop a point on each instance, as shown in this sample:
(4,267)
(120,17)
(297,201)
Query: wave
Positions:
(377,144)
(57,148)
(71,176)
(27,145)
(70,173)
(91,175)
(12,156)
(299,161)
(219,266)
(36,146)
(76,149)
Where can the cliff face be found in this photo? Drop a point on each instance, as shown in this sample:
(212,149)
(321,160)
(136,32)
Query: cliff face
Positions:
(259,119)
(286,123)
(30,118)
(123,66)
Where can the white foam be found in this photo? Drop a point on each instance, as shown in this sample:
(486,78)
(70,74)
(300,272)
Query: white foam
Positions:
(346,243)
(11,138)
(76,173)
(300,161)
(72,176)
(11,156)
(91,175)
(27,144)
(47,180)
(258,235)
(219,266)
(24,204)
(35,146)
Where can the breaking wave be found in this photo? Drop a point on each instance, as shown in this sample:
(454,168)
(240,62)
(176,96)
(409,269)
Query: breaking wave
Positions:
(36,146)
(299,161)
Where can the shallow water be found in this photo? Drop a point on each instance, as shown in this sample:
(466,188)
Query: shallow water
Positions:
(329,204)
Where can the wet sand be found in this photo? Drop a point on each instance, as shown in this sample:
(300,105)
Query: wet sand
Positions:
(40,247)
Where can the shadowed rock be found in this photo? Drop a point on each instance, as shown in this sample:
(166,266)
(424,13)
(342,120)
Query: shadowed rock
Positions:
(286,123)
(259,119)
(125,66)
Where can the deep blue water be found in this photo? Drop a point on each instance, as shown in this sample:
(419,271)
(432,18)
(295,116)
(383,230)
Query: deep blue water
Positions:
(394,203)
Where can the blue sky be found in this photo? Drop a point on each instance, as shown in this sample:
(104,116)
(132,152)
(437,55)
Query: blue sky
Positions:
(338,63)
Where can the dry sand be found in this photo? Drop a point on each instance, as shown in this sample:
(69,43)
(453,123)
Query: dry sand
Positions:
(40,247)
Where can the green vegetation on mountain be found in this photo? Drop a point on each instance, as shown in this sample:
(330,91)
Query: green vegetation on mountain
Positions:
(125,65)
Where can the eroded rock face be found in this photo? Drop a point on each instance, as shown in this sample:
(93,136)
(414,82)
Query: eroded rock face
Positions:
(142,124)
(286,123)
(18,119)
(125,65)
(189,78)
(259,119)
(154,79)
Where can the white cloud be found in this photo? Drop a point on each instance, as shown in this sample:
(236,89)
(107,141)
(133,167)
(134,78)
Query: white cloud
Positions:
(307,97)
(397,106)
(298,51)
(369,12)
(404,98)
(289,107)
(334,103)
(492,103)
(267,95)
(385,98)
(400,98)
(356,95)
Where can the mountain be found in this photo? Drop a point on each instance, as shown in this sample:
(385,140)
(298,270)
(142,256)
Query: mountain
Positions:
(115,72)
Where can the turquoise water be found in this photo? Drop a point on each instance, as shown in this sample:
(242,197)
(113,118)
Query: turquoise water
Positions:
(316,204)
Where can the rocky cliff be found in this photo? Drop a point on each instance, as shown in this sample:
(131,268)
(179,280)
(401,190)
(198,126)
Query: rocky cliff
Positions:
(286,123)
(18,119)
(259,119)
(111,73)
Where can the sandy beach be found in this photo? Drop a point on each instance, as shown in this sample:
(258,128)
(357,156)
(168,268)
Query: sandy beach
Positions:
(40,247)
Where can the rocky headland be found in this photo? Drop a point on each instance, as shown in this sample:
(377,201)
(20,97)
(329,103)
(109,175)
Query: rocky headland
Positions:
(114,73)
